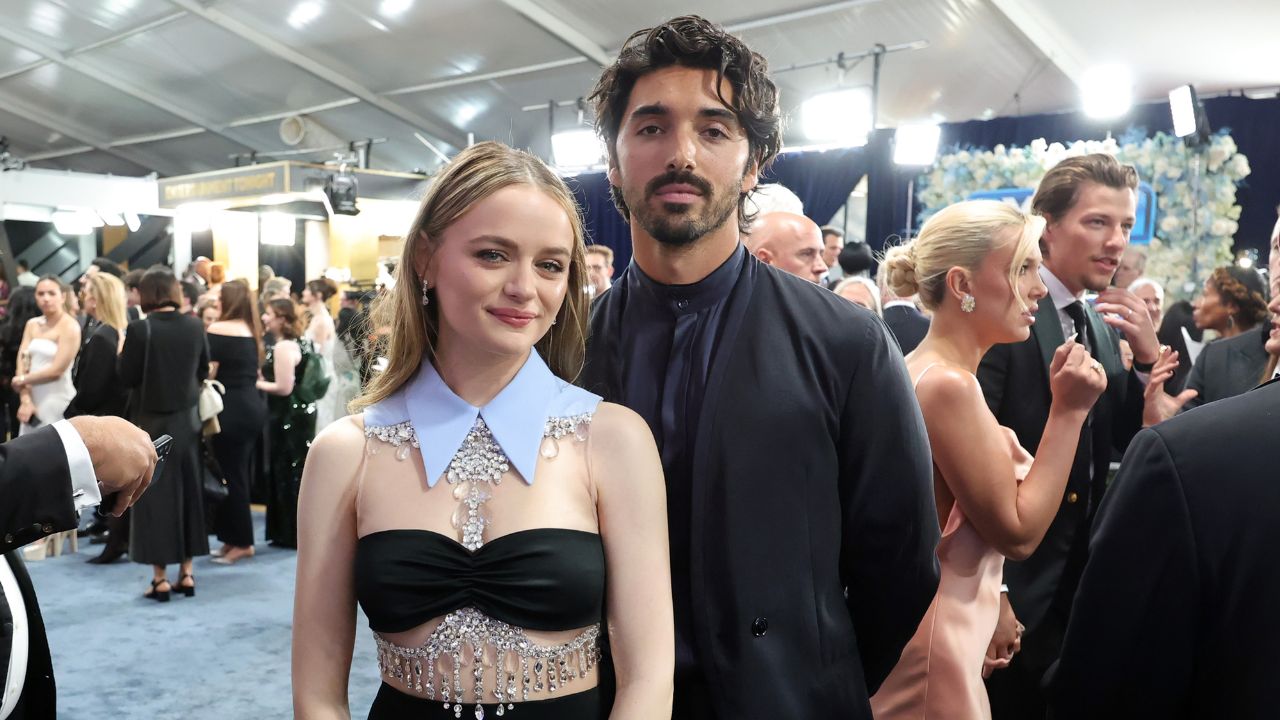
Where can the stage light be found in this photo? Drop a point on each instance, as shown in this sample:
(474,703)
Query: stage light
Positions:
(1106,91)
(132,221)
(70,222)
(303,13)
(1189,119)
(277,229)
(840,116)
(341,189)
(576,149)
(394,8)
(916,144)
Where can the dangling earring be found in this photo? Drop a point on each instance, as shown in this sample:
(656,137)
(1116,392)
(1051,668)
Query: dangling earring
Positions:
(968,303)
(426,300)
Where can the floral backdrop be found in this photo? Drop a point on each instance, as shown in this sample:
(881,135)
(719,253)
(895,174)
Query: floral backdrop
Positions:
(1187,244)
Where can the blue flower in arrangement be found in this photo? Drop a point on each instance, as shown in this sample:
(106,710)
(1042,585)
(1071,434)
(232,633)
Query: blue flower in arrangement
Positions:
(1196,209)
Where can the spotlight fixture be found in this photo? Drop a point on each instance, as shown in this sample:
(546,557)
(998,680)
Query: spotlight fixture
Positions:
(840,117)
(576,149)
(1106,91)
(916,144)
(1189,119)
(341,188)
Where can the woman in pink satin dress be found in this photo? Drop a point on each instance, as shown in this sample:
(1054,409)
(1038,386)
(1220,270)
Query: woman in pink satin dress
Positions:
(975,265)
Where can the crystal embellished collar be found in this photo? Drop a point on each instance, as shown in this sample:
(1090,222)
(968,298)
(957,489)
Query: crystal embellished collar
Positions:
(517,417)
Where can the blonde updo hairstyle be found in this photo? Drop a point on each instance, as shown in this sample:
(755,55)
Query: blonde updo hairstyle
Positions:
(959,235)
(473,175)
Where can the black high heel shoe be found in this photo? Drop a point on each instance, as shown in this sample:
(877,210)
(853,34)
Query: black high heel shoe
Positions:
(189,591)
(157,595)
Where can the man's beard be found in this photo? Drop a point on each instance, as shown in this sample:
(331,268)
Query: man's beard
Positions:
(679,226)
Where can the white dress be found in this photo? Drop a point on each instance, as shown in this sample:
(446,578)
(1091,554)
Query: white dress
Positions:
(344,382)
(51,398)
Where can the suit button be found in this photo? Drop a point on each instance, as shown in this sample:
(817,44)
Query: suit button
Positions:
(760,627)
(48,528)
(1072,498)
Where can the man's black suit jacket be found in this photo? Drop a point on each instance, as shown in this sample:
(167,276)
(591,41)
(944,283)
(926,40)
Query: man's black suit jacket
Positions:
(35,501)
(1176,612)
(1228,367)
(908,325)
(812,474)
(1015,382)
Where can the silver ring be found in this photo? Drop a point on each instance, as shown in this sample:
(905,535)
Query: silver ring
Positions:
(1097,366)
(1127,313)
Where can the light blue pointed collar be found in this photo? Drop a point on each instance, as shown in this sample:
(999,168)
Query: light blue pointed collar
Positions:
(517,417)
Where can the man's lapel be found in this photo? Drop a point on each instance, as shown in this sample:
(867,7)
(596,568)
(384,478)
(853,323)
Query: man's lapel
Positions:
(1107,349)
(1048,331)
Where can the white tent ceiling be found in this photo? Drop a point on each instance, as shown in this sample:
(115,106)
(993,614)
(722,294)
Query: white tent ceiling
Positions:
(178,86)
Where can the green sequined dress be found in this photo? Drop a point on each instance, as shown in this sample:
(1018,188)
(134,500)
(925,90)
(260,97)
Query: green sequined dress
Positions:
(292,427)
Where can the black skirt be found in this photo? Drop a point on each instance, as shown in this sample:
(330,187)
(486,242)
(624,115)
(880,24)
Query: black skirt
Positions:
(392,704)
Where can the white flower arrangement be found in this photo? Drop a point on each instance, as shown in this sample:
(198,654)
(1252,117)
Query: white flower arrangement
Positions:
(1186,246)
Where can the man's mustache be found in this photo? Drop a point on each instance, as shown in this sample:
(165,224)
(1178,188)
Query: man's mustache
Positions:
(674,177)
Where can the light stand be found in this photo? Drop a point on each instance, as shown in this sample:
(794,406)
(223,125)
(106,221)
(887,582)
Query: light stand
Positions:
(1191,123)
(915,147)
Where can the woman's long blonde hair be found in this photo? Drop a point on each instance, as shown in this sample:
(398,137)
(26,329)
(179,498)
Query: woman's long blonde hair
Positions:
(475,174)
(108,295)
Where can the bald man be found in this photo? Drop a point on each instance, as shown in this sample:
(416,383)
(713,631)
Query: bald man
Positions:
(790,242)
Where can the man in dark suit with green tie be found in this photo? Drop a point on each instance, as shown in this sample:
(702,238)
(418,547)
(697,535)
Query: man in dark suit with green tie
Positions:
(1089,205)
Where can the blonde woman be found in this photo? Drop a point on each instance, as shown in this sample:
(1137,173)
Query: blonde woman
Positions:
(484,512)
(98,387)
(49,345)
(98,390)
(974,266)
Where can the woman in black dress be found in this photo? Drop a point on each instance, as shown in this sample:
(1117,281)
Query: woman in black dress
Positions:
(235,349)
(291,422)
(166,359)
(98,388)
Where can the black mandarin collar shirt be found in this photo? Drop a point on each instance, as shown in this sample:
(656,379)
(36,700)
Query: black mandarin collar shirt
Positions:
(672,335)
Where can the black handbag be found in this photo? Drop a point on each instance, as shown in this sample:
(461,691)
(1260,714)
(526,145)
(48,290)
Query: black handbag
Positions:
(212,479)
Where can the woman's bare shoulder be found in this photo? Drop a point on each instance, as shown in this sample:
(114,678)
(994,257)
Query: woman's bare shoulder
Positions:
(617,433)
(946,383)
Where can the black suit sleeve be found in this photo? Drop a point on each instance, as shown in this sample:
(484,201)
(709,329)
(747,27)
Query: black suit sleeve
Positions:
(1130,646)
(993,372)
(94,378)
(35,489)
(1195,381)
(890,531)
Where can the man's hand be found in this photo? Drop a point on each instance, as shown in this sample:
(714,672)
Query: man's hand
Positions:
(123,457)
(1157,405)
(1125,312)
(1006,641)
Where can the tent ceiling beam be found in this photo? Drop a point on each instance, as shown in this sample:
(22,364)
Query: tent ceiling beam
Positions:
(105,42)
(442,130)
(138,157)
(1045,36)
(91,71)
(561,30)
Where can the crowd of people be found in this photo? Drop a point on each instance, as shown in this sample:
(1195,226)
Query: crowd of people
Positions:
(746,477)
(146,345)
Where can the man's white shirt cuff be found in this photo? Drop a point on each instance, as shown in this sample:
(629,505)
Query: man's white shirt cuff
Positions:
(84,481)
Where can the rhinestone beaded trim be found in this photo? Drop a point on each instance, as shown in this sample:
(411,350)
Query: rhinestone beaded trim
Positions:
(469,637)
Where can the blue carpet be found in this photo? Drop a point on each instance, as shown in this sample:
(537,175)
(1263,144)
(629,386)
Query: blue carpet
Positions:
(221,655)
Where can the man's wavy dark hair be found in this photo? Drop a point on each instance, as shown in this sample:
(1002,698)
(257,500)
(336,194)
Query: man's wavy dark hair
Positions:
(691,41)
